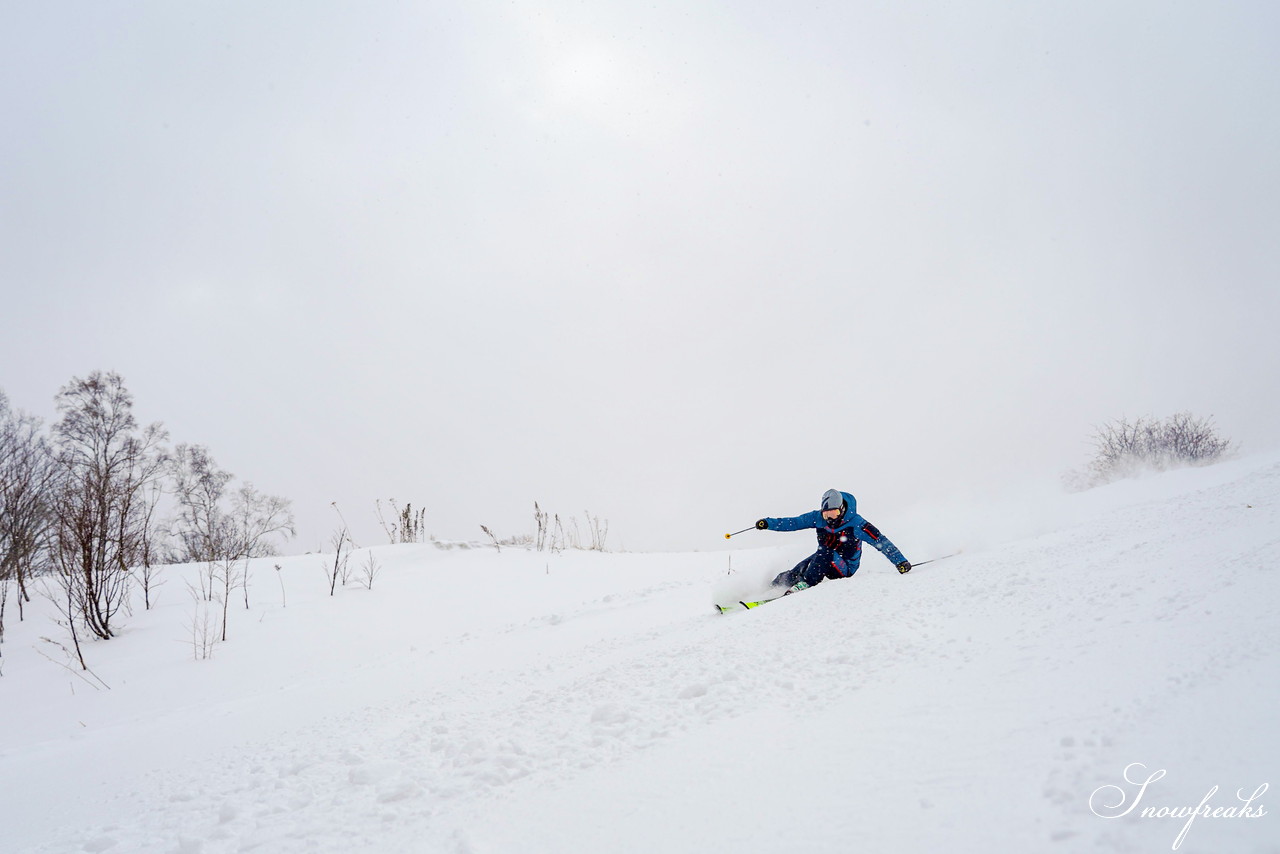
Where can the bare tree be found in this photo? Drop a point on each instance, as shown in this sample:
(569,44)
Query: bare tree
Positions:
(250,526)
(105,465)
(257,519)
(228,574)
(201,528)
(4,537)
(224,538)
(152,545)
(27,477)
(4,600)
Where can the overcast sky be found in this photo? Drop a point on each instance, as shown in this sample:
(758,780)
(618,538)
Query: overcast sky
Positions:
(681,264)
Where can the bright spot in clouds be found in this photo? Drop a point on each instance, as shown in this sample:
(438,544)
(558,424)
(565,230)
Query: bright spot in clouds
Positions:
(585,78)
(587,83)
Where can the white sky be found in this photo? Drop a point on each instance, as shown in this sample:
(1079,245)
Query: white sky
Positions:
(682,265)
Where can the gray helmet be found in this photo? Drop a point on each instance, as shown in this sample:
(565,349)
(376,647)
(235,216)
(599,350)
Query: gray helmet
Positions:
(832,500)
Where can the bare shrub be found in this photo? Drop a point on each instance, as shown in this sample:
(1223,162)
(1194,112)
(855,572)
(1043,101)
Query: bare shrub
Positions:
(540,520)
(406,525)
(369,570)
(599,531)
(554,533)
(496,543)
(202,630)
(284,599)
(340,570)
(91,679)
(557,535)
(1124,448)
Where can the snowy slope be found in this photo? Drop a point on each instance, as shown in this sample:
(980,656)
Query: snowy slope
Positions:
(476,702)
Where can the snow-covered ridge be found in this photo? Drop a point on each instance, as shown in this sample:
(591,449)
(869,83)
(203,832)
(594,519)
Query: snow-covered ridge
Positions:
(482,702)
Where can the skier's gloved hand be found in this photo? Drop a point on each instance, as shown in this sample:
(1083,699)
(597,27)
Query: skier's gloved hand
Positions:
(905,566)
(762,524)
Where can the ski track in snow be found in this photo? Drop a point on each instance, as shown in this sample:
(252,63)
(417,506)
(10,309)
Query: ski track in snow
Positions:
(1041,665)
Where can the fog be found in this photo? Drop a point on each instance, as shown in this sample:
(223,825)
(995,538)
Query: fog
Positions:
(682,266)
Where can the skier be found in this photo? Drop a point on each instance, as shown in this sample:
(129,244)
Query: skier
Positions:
(841,533)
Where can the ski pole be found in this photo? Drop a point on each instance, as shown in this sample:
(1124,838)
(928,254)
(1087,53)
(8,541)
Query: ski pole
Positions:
(743,531)
(930,560)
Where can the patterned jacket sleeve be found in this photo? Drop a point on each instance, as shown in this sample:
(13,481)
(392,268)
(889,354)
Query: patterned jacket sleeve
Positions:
(812,519)
(871,535)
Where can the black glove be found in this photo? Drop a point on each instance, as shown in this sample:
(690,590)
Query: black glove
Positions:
(762,524)
(905,566)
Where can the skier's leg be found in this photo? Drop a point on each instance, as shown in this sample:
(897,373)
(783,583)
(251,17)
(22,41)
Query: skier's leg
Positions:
(817,567)
(796,573)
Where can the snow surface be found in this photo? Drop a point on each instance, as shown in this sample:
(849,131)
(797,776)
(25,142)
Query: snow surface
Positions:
(582,702)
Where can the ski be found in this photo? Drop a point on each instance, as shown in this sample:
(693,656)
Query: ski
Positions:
(740,605)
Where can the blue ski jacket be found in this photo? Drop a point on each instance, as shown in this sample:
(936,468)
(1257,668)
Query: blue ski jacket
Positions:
(845,538)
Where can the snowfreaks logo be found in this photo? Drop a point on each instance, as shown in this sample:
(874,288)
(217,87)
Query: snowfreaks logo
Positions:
(1110,802)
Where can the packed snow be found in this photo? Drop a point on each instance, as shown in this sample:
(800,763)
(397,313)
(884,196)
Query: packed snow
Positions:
(1015,697)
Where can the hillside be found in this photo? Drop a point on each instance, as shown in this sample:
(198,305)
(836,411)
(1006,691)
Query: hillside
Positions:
(585,702)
